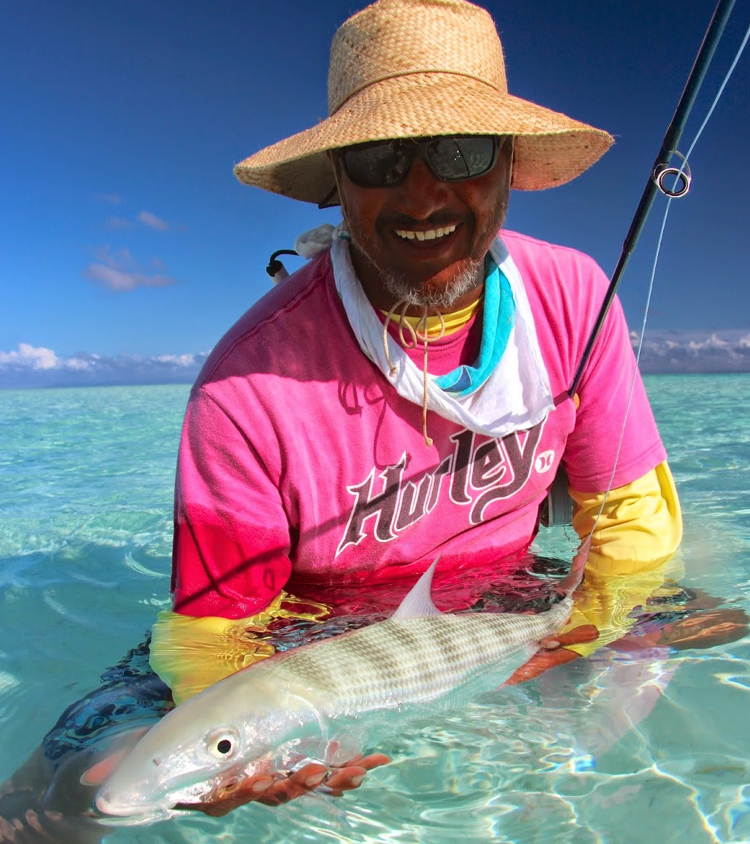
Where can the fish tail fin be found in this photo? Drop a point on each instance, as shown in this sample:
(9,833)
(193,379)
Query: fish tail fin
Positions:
(568,585)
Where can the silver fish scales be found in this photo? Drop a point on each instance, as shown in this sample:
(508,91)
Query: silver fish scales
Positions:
(401,661)
(311,696)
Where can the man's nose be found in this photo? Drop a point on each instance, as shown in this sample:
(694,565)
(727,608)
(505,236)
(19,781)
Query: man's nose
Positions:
(421,194)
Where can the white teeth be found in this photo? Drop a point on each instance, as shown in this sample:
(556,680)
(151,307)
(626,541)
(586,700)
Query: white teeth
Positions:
(432,234)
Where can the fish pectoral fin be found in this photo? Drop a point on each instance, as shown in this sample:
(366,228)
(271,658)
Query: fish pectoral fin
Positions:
(101,770)
(307,712)
(343,751)
(418,603)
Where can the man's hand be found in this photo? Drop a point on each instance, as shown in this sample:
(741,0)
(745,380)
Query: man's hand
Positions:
(702,629)
(275,789)
(552,652)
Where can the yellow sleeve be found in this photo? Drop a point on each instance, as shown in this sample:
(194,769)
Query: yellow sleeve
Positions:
(189,654)
(640,522)
(639,529)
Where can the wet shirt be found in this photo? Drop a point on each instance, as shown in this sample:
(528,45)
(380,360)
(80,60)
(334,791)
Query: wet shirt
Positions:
(300,466)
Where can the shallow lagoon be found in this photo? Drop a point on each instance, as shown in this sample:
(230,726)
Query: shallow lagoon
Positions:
(85,538)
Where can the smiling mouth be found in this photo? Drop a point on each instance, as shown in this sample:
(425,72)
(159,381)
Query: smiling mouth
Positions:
(430,234)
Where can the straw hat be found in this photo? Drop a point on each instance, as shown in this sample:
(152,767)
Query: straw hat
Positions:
(415,68)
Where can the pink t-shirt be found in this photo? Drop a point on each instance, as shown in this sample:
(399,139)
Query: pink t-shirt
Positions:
(301,467)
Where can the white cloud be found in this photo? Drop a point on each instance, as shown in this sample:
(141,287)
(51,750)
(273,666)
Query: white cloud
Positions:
(39,366)
(177,360)
(696,351)
(712,342)
(121,281)
(119,223)
(79,363)
(31,366)
(153,222)
(120,272)
(30,357)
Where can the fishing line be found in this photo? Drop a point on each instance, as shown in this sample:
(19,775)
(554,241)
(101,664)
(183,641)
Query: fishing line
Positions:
(720,92)
(635,369)
(679,188)
(655,179)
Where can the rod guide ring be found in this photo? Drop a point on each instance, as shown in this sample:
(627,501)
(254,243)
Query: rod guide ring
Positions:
(681,178)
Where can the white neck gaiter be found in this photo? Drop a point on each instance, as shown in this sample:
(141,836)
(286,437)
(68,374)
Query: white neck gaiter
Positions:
(517,394)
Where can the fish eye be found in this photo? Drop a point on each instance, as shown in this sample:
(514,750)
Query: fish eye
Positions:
(223,744)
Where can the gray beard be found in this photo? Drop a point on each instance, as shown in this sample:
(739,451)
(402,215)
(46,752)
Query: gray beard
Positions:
(466,279)
(403,291)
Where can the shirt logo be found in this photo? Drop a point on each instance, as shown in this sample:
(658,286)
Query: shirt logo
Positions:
(475,475)
(544,462)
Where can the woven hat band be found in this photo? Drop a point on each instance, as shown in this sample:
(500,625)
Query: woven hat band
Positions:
(397,37)
(419,72)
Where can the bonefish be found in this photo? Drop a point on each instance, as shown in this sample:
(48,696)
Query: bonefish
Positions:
(311,695)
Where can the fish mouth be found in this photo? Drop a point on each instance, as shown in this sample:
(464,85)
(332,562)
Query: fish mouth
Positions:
(130,806)
(136,820)
(130,813)
(133,816)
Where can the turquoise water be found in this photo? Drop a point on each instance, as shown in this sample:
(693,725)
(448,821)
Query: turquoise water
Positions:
(615,748)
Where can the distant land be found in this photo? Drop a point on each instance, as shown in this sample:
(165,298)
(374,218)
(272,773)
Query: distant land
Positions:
(31,366)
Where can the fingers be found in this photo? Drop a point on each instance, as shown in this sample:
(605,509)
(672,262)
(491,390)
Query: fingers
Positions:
(350,776)
(263,788)
(337,780)
(576,636)
(345,779)
(27,827)
(705,629)
(303,781)
(539,663)
(374,760)
(273,790)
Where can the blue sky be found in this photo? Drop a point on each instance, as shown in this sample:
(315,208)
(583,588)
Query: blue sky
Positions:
(127,247)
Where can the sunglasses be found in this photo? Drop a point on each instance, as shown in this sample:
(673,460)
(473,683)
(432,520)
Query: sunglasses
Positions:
(384,164)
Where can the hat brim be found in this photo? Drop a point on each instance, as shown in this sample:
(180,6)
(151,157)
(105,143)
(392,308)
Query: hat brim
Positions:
(550,148)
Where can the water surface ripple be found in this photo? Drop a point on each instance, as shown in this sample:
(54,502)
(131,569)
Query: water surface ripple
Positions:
(615,749)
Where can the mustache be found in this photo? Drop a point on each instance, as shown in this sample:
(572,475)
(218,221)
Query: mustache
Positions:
(439,219)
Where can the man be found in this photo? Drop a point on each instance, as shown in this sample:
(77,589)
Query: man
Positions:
(405,393)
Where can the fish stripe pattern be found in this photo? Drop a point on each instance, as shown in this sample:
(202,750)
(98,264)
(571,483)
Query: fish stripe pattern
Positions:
(403,660)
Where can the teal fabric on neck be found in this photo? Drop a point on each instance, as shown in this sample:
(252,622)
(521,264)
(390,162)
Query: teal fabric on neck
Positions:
(498,321)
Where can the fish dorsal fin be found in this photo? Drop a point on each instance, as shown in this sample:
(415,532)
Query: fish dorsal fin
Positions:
(418,603)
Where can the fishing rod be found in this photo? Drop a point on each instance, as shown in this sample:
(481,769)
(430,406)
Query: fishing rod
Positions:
(661,171)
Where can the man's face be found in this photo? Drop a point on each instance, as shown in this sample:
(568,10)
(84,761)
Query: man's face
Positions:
(442,270)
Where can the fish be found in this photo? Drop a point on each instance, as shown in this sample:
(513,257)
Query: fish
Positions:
(309,698)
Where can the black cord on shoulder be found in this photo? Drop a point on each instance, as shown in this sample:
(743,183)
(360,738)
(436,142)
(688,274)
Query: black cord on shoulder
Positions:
(274,265)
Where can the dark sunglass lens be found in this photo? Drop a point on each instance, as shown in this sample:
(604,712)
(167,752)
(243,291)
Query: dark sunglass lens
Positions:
(376,165)
(461,158)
